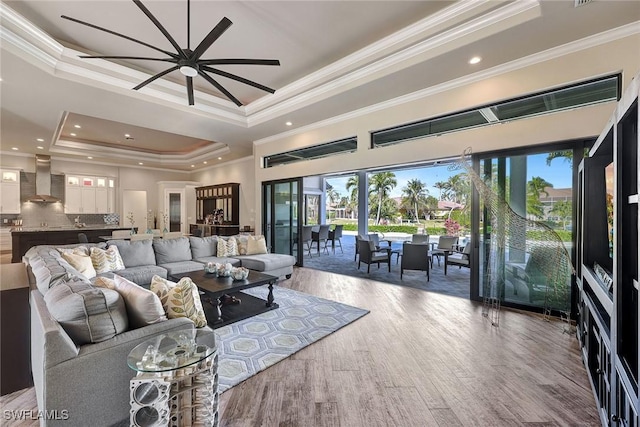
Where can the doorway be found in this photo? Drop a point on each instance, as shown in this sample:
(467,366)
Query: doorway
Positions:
(175,209)
(282,209)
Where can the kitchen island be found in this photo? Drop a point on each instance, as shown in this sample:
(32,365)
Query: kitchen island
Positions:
(23,238)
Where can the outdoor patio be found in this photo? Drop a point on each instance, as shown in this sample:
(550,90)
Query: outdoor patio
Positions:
(455,283)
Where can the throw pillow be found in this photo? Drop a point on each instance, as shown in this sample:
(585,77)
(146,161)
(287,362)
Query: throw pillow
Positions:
(105,282)
(87,314)
(242,241)
(256,246)
(105,260)
(79,250)
(143,306)
(222,248)
(232,247)
(180,299)
(80,262)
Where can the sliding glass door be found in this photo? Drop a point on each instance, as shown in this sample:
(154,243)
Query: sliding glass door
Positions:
(282,207)
(537,187)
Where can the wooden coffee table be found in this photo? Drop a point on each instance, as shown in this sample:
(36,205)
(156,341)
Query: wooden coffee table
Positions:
(214,288)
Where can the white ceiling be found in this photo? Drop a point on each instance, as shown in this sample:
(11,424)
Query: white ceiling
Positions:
(336,57)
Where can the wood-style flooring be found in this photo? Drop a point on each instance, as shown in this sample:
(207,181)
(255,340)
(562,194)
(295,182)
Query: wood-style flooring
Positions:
(418,359)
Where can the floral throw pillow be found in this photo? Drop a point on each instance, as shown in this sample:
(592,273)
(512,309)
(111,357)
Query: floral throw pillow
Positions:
(180,299)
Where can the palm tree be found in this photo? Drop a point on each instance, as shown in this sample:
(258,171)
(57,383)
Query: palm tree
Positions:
(414,193)
(535,187)
(380,185)
(440,186)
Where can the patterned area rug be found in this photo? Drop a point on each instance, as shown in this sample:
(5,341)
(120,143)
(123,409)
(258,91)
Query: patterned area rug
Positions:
(252,345)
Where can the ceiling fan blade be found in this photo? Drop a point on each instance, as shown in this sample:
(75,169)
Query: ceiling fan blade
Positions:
(213,35)
(157,76)
(163,30)
(239,62)
(128,57)
(220,88)
(239,79)
(119,35)
(190,90)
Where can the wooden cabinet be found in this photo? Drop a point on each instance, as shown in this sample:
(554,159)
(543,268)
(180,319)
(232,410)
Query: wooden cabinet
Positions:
(89,195)
(607,257)
(10,191)
(213,198)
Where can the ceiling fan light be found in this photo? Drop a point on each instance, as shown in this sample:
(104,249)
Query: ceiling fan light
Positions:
(188,71)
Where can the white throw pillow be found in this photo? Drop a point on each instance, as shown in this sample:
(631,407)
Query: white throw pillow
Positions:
(257,245)
(222,248)
(143,306)
(80,262)
(180,299)
(232,246)
(80,250)
(105,260)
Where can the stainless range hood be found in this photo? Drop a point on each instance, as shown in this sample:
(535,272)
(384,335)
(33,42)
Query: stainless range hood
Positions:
(43,181)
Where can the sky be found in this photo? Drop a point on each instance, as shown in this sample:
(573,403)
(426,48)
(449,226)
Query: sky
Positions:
(558,173)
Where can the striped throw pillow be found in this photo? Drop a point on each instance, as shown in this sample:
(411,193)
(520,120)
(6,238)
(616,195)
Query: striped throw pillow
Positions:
(105,260)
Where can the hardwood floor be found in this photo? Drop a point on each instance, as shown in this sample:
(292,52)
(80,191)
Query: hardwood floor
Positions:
(418,359)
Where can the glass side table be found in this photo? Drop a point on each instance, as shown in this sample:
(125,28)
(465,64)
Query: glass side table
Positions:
(177,380)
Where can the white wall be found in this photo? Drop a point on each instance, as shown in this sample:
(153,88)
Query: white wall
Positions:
(240,171)
(607,58)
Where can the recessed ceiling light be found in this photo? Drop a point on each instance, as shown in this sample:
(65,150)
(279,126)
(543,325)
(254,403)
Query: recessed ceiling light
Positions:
(204,162)
(475,60)
(14,148)
(77,126)
(72,134)
(140,163)
(40,140)
(126,135)
(288,123)
(40,147)
(89,157)
(219,158)
(193,166)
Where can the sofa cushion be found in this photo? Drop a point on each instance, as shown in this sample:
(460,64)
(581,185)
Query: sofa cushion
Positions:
(136,253)
(80,262)
(180,299)
(143,306)
(266,262)
(106,259)
(181,267)
(82,250)
(203,246)
(86,313)
(141,275)
(172,250)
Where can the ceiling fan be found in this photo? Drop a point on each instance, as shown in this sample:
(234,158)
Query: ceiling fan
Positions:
(188,61)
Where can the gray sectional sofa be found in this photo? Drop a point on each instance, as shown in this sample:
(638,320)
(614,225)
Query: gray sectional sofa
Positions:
(89,381)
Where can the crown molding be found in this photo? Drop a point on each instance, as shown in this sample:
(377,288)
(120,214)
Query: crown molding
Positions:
(589,42)
(495,21)
(225,164)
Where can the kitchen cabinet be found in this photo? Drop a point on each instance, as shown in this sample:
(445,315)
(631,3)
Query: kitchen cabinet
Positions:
(10,191)
(89,195)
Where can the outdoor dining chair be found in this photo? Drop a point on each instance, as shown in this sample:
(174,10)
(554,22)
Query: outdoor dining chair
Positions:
(445,246)
(415,256)
(369,255)
(321,236)
(336,235)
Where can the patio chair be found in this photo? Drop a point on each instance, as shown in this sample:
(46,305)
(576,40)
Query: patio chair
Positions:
(358,238)
(461,259)
(445,244)
(369,255)
(322,235)
(420,238)
(415,256)
(307,237)
(336,235)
